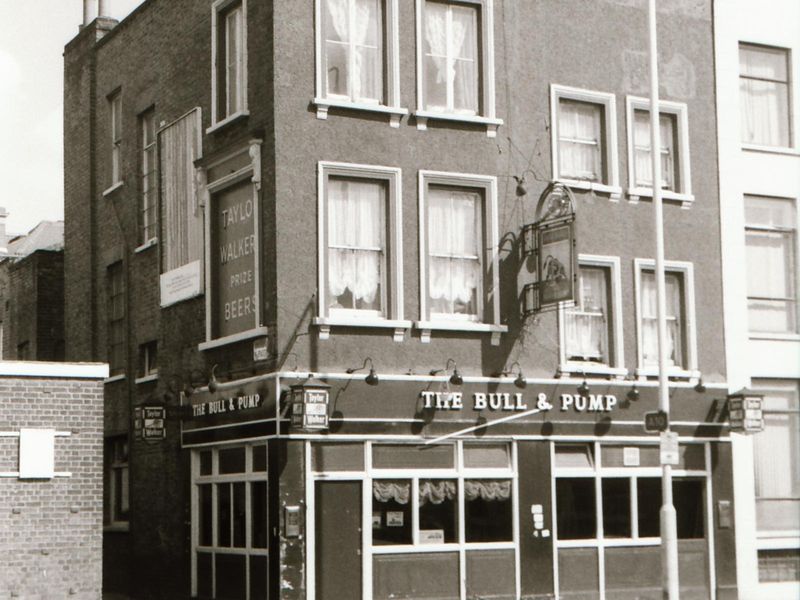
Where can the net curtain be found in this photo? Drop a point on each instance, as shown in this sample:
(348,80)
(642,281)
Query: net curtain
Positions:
(364,40)
(355,237)
(650,320)
(643,165)
(579,146)
(585,327)
(453,56)
(437,492)
(765,104)
(454,235)
(182,215)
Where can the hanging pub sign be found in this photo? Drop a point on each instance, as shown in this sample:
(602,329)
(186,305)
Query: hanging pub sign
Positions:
(150,422)
(309,405)
(550,242)
(746,412)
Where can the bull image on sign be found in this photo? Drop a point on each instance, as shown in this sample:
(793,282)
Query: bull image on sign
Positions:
(550,241)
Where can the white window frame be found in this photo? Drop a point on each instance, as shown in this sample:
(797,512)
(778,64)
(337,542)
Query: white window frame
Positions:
(615,367)
(686,271)
(490,289)
(393,317)
(149,368)
(458,472)
(218,7)
(486,93)
(248,477)
(679,111)
(796,243)
(149,179)
(610,151)
(115,137)
(790,85)
(391,69)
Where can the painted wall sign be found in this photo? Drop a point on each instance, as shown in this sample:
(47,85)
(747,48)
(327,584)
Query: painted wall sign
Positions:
(511,402)
(234,261)
(232,404)
(181,283)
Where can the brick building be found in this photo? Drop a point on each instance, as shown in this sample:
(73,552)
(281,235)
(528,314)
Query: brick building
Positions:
(32,295)
(51,480)
(296,232)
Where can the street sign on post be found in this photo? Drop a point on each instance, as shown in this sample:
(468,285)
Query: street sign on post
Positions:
(656,422)
(668,448)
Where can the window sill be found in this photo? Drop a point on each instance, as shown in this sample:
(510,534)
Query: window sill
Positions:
(117,528)
(614,191)
(578,368)
(227,121)
(325,323)
(459,326)
(114,378)
(257,332)
(113,189)
(491,124)
(148,244)
(686,200)
(775,337)
(672,373)
(146,379)
(771,149)
(395,112)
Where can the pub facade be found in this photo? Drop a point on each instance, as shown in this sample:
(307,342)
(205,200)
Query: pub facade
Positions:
(375,283)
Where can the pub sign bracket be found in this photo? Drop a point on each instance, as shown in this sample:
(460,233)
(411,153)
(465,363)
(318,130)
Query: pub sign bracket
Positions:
(550,242)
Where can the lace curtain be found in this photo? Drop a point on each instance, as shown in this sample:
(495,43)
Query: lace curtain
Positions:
(437,491)
(451,34)
(650,319)
(586,326)
(388,491)
(764,110)
(355,240)
(643,166)
(181,214)
(362,77)
(488,490)
(579,140)
(454,235)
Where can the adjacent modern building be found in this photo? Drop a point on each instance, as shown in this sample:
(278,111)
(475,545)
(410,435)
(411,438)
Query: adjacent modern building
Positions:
(301,235)
(758,103)
(51,486)
(32,293)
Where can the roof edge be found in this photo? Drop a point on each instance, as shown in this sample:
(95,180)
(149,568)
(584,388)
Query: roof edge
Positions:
(55,370)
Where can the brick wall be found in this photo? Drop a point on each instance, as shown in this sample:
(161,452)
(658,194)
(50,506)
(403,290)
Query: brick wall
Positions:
(51,542)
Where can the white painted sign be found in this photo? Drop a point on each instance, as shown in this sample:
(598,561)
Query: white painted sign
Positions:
(431,536)
(670,454)
(37,453)
(182,283)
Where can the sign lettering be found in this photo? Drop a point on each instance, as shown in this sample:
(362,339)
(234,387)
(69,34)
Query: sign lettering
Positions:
(516,402)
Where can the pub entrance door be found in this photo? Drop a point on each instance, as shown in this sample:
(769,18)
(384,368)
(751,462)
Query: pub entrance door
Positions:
(338,540)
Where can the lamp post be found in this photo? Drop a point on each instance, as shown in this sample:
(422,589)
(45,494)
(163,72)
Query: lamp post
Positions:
(668,520)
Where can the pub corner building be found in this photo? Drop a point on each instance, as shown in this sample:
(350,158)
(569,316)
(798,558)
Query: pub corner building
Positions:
(389,333)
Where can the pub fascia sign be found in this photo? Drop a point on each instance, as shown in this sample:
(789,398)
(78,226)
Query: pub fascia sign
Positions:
(508,402)
(232,404)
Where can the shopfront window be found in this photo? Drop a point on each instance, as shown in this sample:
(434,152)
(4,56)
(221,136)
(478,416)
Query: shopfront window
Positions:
(438,515)
(230,545)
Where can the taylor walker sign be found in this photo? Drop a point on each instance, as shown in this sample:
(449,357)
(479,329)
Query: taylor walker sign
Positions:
(234,258)
(508,402)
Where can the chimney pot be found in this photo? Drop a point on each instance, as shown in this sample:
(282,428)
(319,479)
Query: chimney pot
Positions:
(102,8)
